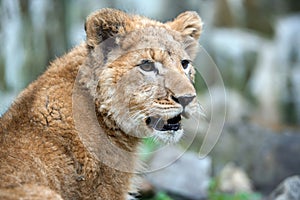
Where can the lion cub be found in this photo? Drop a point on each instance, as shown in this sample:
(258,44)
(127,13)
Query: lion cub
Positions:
(74,132)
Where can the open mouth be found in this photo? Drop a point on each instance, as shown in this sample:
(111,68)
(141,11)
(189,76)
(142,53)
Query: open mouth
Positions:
(172,124)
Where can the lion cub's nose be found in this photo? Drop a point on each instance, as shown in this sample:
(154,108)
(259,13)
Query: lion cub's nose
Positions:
(184,100)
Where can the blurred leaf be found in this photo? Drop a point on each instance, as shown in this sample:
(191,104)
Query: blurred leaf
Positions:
(148,147)
(161,196)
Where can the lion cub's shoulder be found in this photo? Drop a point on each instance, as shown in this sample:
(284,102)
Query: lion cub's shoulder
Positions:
(37,102)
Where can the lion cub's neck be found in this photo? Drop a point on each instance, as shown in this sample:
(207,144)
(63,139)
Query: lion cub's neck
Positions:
(100,134)
(116,135)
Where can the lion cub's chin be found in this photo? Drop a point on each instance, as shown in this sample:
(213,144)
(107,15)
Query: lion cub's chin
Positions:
(168,137)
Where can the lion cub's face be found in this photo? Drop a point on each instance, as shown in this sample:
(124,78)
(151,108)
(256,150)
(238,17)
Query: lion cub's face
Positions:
(143,71)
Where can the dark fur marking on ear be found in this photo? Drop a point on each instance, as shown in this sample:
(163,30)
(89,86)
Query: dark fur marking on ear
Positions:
(107,46)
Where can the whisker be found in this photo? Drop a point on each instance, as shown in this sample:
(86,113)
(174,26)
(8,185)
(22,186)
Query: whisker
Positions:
(202,112)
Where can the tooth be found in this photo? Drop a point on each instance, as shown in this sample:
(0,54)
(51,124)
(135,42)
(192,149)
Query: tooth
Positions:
(186,115)
(159,124)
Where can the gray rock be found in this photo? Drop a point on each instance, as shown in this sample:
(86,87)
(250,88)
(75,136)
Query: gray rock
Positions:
(233,179)
(289,189)
(181,173)
(267,156)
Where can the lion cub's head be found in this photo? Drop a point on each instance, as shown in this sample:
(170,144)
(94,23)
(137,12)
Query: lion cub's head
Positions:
(141,73)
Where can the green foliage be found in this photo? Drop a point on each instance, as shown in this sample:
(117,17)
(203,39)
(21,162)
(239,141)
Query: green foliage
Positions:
(161,196)
(237,196)
(215,194)
(148,147)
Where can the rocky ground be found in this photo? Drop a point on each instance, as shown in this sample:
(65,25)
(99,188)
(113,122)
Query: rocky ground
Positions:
(248,159)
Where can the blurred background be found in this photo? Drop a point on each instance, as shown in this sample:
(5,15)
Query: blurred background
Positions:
(254,43)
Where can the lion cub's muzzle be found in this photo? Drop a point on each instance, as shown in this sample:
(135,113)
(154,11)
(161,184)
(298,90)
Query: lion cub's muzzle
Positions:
(159,124)
(172,124)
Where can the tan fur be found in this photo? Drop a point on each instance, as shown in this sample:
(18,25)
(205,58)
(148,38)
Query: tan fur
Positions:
(74,132)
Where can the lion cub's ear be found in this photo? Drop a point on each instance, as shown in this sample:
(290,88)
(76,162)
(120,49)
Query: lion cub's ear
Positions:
(189,24)
(104,24)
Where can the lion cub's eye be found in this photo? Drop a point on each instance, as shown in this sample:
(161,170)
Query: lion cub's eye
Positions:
(185,63)
(147,66)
